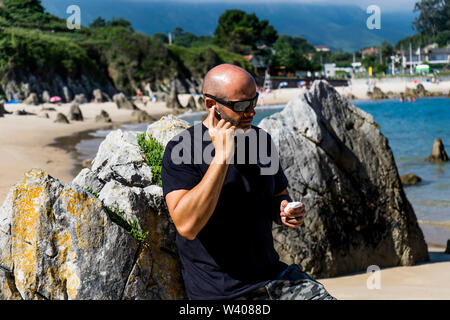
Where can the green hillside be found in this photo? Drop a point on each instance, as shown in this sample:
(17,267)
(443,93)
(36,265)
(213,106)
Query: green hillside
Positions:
(37,43)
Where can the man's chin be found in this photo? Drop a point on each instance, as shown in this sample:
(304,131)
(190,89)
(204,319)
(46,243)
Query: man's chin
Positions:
(245,124)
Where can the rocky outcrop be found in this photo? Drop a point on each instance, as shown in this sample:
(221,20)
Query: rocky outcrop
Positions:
(46,96)
(23,112)
(410,179)
(67,94)
(75,113)
(106,235)
(191,103)
(341,166)
(2,108)
(122,102)
(419,92)
(438,153)
(21,87)
(80,98)
(172,101)
(103,117)
(57,242)
(32,99)
(98,97)
(61,118)
(158,129)
(141,116)
(201,102)
(377,94)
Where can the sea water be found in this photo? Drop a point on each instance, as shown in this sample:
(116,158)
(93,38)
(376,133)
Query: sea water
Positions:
(410,127)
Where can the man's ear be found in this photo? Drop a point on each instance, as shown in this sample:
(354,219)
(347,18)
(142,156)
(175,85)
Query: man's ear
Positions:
(209,103)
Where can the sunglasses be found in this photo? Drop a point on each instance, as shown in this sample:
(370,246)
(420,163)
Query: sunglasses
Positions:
(238,106)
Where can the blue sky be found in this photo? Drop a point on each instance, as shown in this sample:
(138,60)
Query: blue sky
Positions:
(388,5)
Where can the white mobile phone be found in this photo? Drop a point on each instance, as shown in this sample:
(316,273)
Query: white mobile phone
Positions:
(292,205)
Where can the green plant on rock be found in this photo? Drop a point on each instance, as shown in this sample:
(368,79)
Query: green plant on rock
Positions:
(90,190)
(153,154)
(131,226)
(136,231)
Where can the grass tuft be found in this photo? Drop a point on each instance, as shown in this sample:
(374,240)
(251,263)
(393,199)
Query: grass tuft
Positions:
(153,154)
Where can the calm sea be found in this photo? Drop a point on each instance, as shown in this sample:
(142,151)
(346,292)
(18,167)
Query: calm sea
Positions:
(411,129)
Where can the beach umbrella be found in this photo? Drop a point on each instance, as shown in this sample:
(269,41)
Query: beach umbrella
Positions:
(55,99)
(13,101)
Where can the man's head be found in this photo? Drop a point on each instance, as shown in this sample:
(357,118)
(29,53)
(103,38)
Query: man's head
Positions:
(231,83)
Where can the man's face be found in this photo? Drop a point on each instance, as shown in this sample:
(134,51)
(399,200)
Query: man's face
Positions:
(241,120)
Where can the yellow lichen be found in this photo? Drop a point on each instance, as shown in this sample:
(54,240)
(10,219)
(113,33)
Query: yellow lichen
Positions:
(24,231)
(67,273)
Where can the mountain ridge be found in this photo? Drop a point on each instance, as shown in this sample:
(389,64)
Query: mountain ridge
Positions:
(337,26)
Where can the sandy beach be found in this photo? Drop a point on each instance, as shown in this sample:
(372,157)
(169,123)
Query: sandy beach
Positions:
(359,87)
(25,140)
(25,144)
(424,281)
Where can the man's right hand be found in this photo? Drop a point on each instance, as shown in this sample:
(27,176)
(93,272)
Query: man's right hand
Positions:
(222,136)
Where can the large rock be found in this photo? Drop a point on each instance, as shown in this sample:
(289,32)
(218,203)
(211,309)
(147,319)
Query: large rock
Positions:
(32,99)
(46,96)
(341,166)
(141,116)
(2,108)
(57,242)
(62,242)
(61,118)
(172,101)
(191,103)
(75,112)
(67,94)
(81,98)
(377,94)
(166,128)
(98,97)
(201,102)
(410,179)
(122,180)
(122,102)
(103,117)
(438,153)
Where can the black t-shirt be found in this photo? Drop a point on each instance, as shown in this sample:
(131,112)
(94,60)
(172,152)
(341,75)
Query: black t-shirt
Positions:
(234,253)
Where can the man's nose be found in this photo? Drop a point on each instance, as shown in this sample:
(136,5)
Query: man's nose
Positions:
(249,112)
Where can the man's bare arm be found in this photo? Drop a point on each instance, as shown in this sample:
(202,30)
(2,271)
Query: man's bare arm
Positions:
(191,209)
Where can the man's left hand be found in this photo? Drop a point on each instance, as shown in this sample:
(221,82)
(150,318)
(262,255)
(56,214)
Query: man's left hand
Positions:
(293,217)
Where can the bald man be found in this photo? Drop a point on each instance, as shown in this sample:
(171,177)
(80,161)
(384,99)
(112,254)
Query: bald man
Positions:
(223,206)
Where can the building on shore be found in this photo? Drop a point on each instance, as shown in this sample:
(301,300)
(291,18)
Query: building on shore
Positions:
(430,54)
(322,49)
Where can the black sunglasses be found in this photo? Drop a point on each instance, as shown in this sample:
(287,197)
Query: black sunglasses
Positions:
(238,106)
